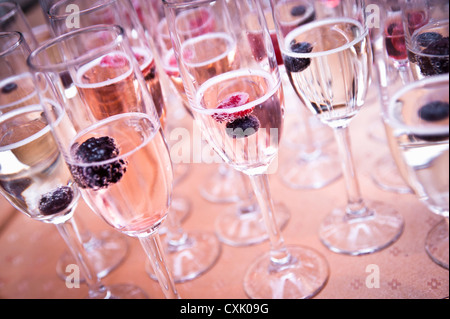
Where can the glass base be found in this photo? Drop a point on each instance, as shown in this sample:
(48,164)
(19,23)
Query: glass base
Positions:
(436,244)
(311,171)
(187,261)
(385,175)
(377,229)
(223,186)
(180,208)
(122,291)
(303,277)
(106,251)
(238,229)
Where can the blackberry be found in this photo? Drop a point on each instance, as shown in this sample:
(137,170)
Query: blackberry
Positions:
(8,88)
(427,38)
(66,79)
(298,64)
(298,11)
(435,65)
(243,127)
(56,201)
(434,111)
(97,176)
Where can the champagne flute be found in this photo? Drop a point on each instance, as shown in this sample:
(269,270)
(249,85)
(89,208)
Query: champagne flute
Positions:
(110,134)
(310,165)
(106,250)
(123,13)
(417,119)
(328,62)
(388,42)
(35,179)
(219,187)
(119,12)
(12,18)
(240,225)
(237,101)
(426,34)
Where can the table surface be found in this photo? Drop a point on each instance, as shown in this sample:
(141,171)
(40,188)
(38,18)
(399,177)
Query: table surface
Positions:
(29,250)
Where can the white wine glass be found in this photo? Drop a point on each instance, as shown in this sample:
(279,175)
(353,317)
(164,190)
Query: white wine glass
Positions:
(418,122)
(328,62)
(109,132)
(237,101)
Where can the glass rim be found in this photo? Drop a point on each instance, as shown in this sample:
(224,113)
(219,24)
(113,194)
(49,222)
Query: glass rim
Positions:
(291,35)
(104,122)
(81,12)
(185,4)
(19,40)
(63,66)
(14,7)
(438,128)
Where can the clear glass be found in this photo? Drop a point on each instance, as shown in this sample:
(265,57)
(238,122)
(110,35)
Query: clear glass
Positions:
(107,250)
(328,62)
(417,119)
(309,165)
(426,33)
(219,188)
(389,40)
(115,12)
(13,19)
(235,94)
(35,179)
(308,159)
(242,224)
(109,132)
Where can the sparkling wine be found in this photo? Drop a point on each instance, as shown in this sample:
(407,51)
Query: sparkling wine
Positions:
(421,150)
(33,175)
(394,36)
(16,91)
(171,68)
(208,55)
(130,188)
(428,50)
(256,39)
(195,22)
(164,35)
(246,135)
(328,64)
(108,87)
(148,68)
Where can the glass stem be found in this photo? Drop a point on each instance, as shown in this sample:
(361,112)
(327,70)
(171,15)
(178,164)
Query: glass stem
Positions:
(71,235)
(279,255)
(248,202)
(355,203)
(176,236)
(155,253)
(309,150)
